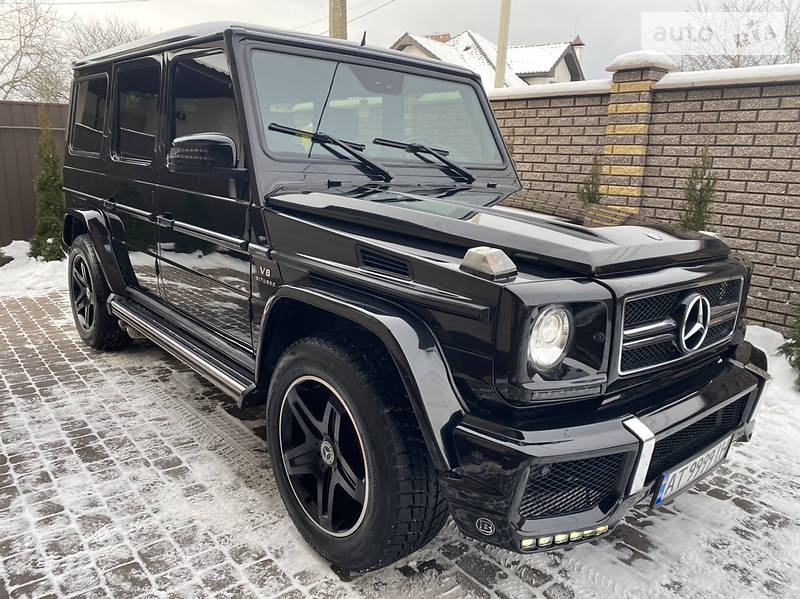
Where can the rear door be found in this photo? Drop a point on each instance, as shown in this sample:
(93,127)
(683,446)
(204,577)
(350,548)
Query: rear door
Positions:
(204,265)
(130,187)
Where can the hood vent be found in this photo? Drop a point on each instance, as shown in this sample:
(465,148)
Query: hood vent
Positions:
(385,263)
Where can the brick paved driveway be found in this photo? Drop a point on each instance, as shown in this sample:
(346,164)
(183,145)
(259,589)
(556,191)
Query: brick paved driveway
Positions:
(125,474)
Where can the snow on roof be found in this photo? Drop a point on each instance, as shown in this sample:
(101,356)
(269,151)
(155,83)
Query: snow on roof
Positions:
(472,50)
(536,59)
(440,50)
(480,55)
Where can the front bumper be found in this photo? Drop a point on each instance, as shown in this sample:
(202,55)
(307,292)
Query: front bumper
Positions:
(529,490)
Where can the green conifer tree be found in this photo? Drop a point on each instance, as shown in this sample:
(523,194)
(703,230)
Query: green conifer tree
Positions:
(791,349)
(589,193)
(699,194)
(48,185)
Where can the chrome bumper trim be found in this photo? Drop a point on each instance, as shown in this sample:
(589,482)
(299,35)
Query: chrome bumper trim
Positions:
(648,443)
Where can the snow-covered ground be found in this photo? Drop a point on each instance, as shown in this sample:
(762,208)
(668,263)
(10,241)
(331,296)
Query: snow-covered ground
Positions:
(25,276)
(125,473)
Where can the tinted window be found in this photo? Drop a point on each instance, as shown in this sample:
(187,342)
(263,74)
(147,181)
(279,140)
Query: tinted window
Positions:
(359,103)
(203,100)
(90,112)
(138,111)
(291,91)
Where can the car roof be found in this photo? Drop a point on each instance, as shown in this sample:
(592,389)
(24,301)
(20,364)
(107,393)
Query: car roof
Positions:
(186,36)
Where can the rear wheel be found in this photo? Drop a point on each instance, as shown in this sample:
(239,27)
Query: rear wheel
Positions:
(348,457)
(88,293)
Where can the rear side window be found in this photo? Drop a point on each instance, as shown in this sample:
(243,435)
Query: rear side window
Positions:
(137,106)
(90,114)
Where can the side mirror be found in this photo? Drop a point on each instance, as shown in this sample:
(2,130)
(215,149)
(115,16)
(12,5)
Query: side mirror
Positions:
(201,153)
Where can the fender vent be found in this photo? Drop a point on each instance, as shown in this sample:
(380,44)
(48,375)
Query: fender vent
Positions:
(380,262)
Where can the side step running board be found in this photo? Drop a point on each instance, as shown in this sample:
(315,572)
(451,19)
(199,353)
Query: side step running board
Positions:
(233,381)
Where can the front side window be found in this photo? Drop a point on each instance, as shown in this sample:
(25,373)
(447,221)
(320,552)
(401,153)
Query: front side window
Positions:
(203,100)
(90,112)
(137,105)
(359,104)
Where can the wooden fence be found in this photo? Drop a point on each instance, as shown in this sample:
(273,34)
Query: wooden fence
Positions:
(19,132)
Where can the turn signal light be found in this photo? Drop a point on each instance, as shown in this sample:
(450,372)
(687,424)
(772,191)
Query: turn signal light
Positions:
(601,529)
(562,538)
(545,541)
(588,533)
(489,263)
(575,535)
(528,543)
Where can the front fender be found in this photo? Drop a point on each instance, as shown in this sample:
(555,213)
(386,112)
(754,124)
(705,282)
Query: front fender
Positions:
(94,224)
(412,345)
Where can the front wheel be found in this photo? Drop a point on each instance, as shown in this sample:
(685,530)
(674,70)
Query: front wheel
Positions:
(348,456)
(88,293)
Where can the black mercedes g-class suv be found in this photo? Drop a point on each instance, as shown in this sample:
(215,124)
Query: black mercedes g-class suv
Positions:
(313,225)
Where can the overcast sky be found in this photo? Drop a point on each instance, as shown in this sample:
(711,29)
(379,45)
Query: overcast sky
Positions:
(608,28)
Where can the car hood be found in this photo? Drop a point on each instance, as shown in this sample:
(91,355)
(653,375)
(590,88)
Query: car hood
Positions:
(547,242)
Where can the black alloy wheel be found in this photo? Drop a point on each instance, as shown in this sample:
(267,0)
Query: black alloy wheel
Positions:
(323,456)
(348,456)
(88,294)
(83,297)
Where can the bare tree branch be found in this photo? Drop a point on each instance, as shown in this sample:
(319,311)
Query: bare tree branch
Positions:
(736,33)
(28,30)
(38,46)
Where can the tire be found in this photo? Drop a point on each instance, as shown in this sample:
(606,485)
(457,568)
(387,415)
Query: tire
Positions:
(404,507)
(88,292)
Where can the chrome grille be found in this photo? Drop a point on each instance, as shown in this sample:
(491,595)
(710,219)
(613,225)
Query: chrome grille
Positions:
(650,324)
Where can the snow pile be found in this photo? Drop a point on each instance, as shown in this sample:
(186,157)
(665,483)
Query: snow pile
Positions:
(26,277)
(551,90)
(770,73)
(641,59)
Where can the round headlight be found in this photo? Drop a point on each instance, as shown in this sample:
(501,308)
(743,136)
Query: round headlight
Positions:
(550,336)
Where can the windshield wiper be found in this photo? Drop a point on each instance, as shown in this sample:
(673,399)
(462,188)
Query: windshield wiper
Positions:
(352,148)
(415,148)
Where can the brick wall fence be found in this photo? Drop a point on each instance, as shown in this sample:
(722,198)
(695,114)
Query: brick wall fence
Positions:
(647,127)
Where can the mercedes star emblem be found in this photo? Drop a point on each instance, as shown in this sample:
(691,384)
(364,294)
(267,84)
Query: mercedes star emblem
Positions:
(694,323)
(327,453)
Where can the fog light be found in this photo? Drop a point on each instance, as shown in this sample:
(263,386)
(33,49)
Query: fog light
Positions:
(528,543)
(562,538)
(545,541)
(588,533)
(575,535)
(601,529)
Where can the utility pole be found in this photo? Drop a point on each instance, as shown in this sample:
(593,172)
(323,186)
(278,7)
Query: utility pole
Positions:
(502,44)
(337,19)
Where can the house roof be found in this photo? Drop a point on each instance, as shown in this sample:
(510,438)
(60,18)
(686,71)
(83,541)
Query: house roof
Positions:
(472,50)
(537,59)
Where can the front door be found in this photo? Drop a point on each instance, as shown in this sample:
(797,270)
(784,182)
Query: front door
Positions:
(204,265)
(130,187)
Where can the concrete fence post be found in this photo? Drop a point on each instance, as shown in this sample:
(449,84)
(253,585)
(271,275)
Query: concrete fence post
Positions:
(627,129)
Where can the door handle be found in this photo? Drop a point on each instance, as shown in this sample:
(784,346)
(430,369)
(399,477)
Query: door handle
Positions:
(165,219)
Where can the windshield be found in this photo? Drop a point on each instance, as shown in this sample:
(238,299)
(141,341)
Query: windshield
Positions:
(359,104)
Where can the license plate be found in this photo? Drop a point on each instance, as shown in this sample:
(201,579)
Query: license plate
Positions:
(684,475)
